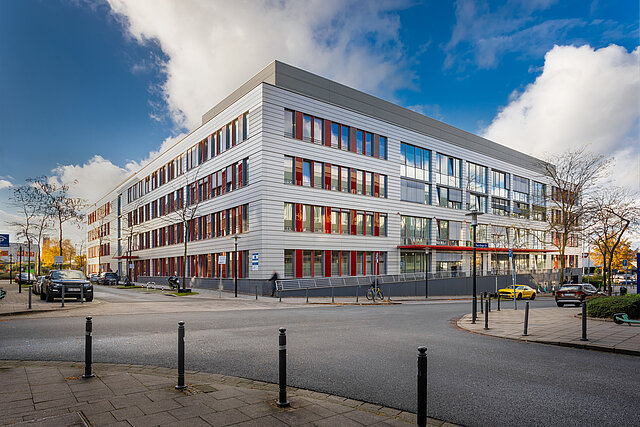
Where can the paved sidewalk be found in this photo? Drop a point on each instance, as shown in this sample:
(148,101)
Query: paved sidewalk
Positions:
(55,394)
(559,326)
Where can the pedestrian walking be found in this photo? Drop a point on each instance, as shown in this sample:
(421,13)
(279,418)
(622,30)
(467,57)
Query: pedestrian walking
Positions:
(273,279)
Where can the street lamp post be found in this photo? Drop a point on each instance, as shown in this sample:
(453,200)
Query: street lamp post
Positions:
(474,224)
(20,271)
(235,264)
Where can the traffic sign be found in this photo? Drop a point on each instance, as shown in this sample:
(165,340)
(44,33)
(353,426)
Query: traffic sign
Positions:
(57,259)
(624,263)
(254,261)
(222,260)
(510,253)
(482,245)
(4,240)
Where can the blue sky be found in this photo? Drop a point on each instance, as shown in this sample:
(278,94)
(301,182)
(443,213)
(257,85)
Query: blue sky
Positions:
(119,79)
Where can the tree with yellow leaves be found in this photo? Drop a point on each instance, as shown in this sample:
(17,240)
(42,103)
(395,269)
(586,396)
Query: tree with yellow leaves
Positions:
(51,247)
(622,252)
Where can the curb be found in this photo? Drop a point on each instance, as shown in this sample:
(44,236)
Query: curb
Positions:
(556,343)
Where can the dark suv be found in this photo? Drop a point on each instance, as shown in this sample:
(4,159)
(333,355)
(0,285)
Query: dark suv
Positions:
(107,278)
(74,282)
(575,294)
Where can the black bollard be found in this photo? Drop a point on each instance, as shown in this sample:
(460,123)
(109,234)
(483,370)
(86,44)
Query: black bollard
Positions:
(180,385)
(306,291)
(87,348)
(357,292)
(332,299)
(486,316)
(63,295)
(81,294)
(489,299)
(29,297)
(584,321)
(282,356)
(526,319)
(256,292)
(422,386)
(481,303)
(498,301)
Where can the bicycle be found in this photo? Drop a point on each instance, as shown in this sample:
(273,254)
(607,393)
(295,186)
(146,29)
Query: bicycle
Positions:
(374,293)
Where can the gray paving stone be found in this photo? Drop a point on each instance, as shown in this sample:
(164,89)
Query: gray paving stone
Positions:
(224,418)
(186,412)
(159,406)
(126,413)
(152,420)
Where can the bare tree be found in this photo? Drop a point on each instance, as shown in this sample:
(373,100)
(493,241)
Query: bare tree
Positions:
(64,208)
(27,199)
(613,212)
(573,175)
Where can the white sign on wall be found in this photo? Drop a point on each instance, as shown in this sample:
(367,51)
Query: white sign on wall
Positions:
(254,261)
(222,260)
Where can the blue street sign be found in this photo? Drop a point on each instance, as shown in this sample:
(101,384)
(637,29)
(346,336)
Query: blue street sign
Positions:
(510,253)
(4,240)
(624,263)
(482,245)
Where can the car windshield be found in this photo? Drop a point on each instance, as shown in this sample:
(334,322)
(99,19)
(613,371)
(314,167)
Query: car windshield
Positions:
(110,275)
(67,274)
(571,288)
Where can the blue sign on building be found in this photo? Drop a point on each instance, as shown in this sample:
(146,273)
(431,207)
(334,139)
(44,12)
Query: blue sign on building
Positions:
(4,240)
(510,253)
(482,245)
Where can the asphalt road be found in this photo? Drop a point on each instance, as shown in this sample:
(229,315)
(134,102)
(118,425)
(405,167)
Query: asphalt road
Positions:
(366,353)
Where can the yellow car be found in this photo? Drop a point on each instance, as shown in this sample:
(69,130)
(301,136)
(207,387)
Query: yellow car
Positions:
(522,291)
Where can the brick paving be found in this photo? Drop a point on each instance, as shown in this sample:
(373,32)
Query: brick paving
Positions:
(55,394)
(559,326)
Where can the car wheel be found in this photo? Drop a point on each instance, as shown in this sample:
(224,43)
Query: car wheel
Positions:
(42,296)
(533,296)
(49,297)
(519,296)
(560,304)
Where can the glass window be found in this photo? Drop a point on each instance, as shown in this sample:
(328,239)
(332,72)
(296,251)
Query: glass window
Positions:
(335,263)
(335,221)
(317,263)
(306,218)
(306,173)
(368,186)
(499,206)
(288,216)
(344,137)
(477,177)
(306,263)
(412,191)
(383,186)
(382,263)
(346,223)
(383,147)
(500,186)
(306,127)
(345,263)
(369,263)
(335,183)
(368,148)
(318,135)
(383,225)
(447,170)
(369,224)
(288,263)
(344,179)
(359,141)
(359,223)
(318,219)
(359,262)
(317,174)
(335,135)
(359,181)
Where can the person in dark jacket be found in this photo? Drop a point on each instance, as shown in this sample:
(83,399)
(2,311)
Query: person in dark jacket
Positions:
(273,279)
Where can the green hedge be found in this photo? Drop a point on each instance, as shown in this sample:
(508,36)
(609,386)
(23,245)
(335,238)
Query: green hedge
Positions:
(608,306)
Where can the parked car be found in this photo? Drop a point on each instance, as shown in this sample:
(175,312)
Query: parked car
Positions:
(72,280)
(25,278)
(575,294)
(107,278)
(93,278)
(522,291)
(37,285)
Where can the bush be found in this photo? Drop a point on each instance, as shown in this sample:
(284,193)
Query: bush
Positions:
(594,280)
(608,306)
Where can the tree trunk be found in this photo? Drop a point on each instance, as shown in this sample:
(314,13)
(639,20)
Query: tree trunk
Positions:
(60,243)
(184,261)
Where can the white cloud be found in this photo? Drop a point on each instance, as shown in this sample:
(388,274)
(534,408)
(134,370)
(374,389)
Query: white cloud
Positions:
(214,46)
(583,96)
(5,184)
